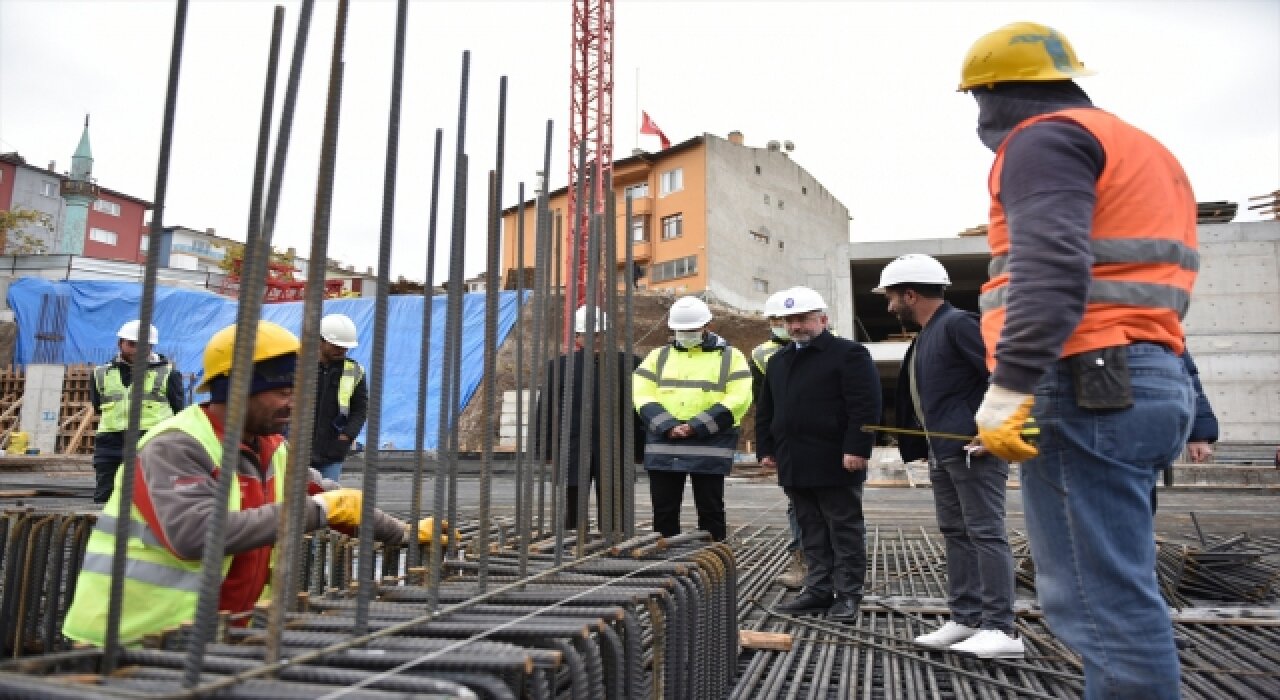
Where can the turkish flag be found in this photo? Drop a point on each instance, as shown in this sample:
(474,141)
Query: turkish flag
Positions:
(647,126)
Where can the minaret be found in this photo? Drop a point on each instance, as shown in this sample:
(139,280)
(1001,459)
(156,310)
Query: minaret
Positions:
(79,192)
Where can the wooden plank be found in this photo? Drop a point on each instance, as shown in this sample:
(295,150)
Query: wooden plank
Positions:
(774,641)
(86,417)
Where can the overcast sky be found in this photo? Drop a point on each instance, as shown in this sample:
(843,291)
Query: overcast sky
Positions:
(866,91)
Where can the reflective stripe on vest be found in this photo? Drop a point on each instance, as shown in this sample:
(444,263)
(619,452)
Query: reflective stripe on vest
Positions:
(113,398)
(160,590)
(352,374)
(762,352)
(726,358)
(1142,238)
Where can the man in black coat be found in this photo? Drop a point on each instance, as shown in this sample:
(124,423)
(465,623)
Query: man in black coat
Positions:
(818,393)
(558,369)
(342,401)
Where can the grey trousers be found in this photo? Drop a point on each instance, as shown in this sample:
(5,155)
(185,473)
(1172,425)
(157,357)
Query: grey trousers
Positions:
(833,536)
(970,499)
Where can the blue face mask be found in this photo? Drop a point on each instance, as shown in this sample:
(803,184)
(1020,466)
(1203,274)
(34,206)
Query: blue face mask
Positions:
(688,339)
(780,332)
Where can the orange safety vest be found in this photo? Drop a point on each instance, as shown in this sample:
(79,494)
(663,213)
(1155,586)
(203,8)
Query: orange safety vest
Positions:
(1143,239)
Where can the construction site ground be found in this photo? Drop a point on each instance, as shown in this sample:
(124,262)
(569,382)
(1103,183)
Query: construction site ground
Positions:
(1232,650)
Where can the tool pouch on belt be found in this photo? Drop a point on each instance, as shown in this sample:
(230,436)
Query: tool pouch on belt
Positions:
(1101,378)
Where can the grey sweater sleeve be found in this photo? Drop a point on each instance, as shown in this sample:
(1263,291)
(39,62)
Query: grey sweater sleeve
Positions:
(178,475)
(1048,190)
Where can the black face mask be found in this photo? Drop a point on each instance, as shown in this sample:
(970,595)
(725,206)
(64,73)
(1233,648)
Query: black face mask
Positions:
(1009,104)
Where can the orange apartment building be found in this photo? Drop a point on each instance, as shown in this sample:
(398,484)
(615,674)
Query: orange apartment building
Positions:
(716,218)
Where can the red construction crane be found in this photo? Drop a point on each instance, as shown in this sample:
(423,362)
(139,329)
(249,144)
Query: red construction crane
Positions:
(590,123)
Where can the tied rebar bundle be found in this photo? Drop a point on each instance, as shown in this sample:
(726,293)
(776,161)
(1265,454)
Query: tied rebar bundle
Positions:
(649,617)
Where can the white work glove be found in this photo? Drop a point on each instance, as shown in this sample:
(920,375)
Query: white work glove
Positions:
(1005,425)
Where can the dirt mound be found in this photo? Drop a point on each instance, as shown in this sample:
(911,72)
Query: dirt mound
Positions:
(741,330)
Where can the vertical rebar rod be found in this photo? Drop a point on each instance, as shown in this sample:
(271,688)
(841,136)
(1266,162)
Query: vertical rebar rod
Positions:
(253,277)
(377,370)
(424,374)
(556,370)
(609,390)
(490,384)
(587,418)
(522,532)
(542,228)
(491,335)
(570,369)
(143,352)
(287,517)
(447,444)
(628,434)
(455,387)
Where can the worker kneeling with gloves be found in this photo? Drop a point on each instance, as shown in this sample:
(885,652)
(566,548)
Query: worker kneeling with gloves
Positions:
(175,491)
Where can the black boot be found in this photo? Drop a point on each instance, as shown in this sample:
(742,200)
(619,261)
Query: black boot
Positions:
(845,609)
(809,602)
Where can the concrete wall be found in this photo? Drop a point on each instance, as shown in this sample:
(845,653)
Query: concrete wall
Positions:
(807,229)
(1233,328)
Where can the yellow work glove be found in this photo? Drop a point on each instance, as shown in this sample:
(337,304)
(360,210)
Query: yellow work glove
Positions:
(427,526)
(1002,424)
(341,506)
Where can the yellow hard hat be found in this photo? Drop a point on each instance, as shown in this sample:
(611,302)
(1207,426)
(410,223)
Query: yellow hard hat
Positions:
(1020,51)
(273,341)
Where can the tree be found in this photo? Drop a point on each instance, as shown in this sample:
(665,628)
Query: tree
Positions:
(12,221)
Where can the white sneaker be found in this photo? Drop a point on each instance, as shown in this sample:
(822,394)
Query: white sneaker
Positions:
(991,644)
(949,634)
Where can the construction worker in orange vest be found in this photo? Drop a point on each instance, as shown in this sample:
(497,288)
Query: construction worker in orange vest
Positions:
(1093,243)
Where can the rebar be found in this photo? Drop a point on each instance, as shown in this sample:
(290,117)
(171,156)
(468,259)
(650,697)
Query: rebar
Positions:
(424,374)
(142,354)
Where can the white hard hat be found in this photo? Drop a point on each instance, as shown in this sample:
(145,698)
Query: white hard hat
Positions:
(773,307)
(339,330)
(799,300)
(580,321)
(129,331)
(688,313)
(912,267)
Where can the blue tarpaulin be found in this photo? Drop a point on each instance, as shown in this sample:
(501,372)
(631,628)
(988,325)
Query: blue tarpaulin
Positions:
(187,319)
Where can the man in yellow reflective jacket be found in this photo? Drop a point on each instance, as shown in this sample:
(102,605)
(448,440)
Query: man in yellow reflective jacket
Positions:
(691,395)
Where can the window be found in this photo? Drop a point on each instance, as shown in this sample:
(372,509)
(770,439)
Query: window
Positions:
(144,242)
(639,231)
(106,207)
(766,199)
(103,236)
(779,245)
(672,181)
(681,267)
(804,190)
(672,226)
(760,285)
(757,170)
(759,237)
(49,189)
(637,191)
(779,203)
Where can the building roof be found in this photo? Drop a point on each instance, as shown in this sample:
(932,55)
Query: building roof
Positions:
(16,159)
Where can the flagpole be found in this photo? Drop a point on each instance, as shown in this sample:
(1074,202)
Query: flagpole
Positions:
(637,119)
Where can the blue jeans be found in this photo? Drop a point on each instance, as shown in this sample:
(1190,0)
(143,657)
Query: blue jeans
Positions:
(331,471)
(1087,500)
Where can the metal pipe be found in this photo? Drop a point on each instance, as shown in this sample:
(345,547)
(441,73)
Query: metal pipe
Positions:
(609,389)
(521,475)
